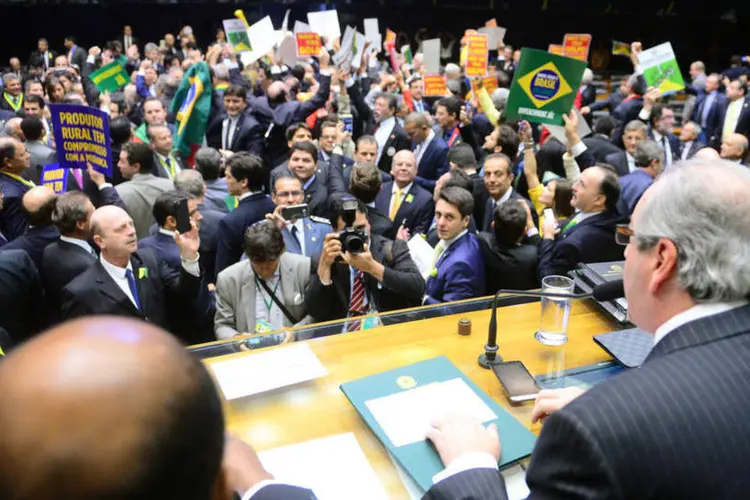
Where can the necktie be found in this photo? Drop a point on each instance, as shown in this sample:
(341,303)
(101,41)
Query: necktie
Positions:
(295,233)
(439,249)
(78,177)
(667,151)
(420,107)
(357,302)
(133,288)
(396,204)
(729,121)
(170,163)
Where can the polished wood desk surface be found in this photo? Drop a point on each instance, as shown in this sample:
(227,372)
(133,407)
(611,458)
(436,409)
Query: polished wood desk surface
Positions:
(318,408)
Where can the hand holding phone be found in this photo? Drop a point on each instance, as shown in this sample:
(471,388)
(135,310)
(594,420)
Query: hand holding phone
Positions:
(182,216)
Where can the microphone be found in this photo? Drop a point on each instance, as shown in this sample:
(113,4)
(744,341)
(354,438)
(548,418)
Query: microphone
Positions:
(602,293)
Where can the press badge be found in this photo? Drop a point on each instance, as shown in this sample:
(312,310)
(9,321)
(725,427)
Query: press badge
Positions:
(263,326)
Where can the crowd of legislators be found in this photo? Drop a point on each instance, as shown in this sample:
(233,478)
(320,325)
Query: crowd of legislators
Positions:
(364,150)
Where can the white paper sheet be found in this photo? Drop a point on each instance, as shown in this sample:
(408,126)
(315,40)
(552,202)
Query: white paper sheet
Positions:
(325,23)
(343,58)
(372,29)
(285,22)
(431,56)
(300,27)
(265,371)
(335,468)
(494,34)
(558,131)
(263,37)
(287,51)
(406,416)
(422,254)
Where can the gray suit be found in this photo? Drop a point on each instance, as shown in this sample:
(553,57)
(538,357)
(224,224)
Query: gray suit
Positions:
(40,153)
(139,195)
(235,295)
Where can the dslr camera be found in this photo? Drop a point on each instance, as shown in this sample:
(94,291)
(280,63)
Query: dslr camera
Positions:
(352,240)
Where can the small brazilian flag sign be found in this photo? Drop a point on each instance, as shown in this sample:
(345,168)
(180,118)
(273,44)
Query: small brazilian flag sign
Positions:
(544,87)
(660,68)
(110,78)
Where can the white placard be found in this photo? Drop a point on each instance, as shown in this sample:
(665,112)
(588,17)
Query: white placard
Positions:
(372,30)
(300,27)
(494,34)
(325,23)
(287,51)
(558,131)
(262,37)
(431,56)
(268,370)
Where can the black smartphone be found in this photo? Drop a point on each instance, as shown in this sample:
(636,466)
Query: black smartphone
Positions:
(182,215)
(348,123)
(295,212)
(517,382)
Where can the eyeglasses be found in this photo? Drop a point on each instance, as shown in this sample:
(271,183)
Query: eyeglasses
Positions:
(289,194)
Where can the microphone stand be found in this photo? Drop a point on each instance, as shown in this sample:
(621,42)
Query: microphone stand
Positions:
(490,357)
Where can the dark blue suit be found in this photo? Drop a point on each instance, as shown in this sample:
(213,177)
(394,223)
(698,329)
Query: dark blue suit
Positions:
(165,247)
(714,115)
(417,208)
(743,122)
(460,272)
(433,164)
(592,240)
(489,213)
(674,144)
(632,187)
(209,233)
(315,233)
(232,228)
(33,241)
(345,160)
(21,296)
(248,134)
(619,161)
(12,219)
(626,112)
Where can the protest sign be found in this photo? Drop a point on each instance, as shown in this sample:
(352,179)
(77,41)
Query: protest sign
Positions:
(558,131)
(372,30)
(406,54)
(491,23)
(55,177)
(555,49)
(82,136)
(343,57)
(620,48)
(495,35)
(110,78)
(476,60)
(285,22)
(262,39)
(393,56)
(236,31)
(489,83)
(577,46)
(287,51)
(544,87)
(358,49)
(308,44)
(434,86)
(431,56)
(325,23)
(660,68)
(300,27)
(390,36)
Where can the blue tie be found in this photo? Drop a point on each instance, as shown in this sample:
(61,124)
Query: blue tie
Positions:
(133,288)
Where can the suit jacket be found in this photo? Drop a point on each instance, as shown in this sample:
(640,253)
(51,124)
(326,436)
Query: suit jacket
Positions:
(588,95)
(139,195)
(12,219)
(248,135)
(611,102)
(347,174)
(380,224)
(21,296)
(460,272)
(327,183)
(512,267)
(164,246)
(627,111)
(94,292)
(433,164)
(592,240)
(236,289)
(33,241)
(161,171)
(231,237)
(632,187)
(489,214)
(620,162)
(216,195)
(62,262)
(315,232)
(674,144)
(695,146)
(714,116)
(209,235)
(36,59)
(402,285)
(416,210)
(600,146)
(694,452)
(79,56)
(40,154)
(743,123)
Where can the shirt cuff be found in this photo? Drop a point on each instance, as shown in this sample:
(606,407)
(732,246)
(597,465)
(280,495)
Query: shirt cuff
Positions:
(326,283)
(325,72)
(532,232)
(350,82)
(644,114)
(638,70)
(255,489)
(192,267)
(231,64)
(104,186)
(467,461)
(578,149)
(141,72)
(90,59)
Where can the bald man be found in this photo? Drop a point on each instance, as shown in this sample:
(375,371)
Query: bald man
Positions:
(14,160)
(407,204)
(430,151)
(37,203)
(128,282)
(734,148)
(114,408)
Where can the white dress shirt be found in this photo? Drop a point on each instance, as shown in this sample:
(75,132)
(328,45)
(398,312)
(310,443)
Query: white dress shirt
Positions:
(79,243)
(165,163)
(696,312)
(502,199)
(383,133)
(686,150)
(300,225)
(246,195)
(631,162)
(228,135)
(421,148)
(404,192)
(117,274)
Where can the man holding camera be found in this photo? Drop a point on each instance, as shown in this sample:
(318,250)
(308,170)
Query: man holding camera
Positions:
(361,273)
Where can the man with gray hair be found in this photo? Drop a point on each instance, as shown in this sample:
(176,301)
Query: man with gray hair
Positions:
(624,161)
(12,129)
(689,143)
(12,98)
(686,281)
(208,162)
(649,160)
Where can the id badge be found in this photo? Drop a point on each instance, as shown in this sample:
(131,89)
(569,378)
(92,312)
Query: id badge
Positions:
(263,326)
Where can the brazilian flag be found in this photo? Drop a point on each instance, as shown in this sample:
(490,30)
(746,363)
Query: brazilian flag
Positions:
(191,105)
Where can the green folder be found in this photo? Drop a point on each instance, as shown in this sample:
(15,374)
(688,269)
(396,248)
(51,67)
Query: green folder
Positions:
(420,460)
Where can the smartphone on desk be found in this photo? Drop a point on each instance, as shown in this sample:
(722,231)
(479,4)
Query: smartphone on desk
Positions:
(182,215)
(517,382)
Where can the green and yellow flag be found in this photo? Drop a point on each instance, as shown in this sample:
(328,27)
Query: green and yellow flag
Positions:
(620,48)
(191,105)
(110,78)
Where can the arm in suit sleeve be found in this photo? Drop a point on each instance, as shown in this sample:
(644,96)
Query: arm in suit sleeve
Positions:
(556,257)
(358,100)
(459,279)
(140,86)
(254,141)
(181,284)
(473,484)
(225,323)
(12,220)
(424,220)
(228,249)
(336,176)
(470,138)
(72,307)
(308,107)
(599,105)
(403,276)
(321,299)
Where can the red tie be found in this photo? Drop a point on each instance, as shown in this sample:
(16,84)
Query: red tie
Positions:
(357,302)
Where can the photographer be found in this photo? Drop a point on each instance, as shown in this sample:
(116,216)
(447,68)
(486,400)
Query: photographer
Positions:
(361,273)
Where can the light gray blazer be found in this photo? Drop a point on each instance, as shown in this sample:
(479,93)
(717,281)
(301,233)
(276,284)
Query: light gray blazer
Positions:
(235,295)
(139,194)
(40,154)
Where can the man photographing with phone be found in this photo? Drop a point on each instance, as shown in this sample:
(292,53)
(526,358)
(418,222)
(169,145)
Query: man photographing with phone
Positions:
(361,273)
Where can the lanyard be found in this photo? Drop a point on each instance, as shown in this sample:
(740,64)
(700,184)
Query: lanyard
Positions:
(269,303)
(169,164)
(23,181)
(453,136)
(19,101)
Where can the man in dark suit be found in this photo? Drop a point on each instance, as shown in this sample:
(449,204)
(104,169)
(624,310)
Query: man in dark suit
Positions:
(235,129)
(42,57)
(365,151)
(40,154)
(365,185)
(649,158)
(695,305)
(37,204)
(498,180)
(660,119)
(509,261)
(14,160)
(76,55)
(128,282)
(590,235)
(381,278)
(245,175)
(458,271)
(624,161)
(735,114)
(12,95)
(21,296)
(689,143)
(126,38)
(708,109)
(68,257)
(610,103)
(330,143)
(430,151)
(600,142)
(407,205)
(165,215)
(167,161)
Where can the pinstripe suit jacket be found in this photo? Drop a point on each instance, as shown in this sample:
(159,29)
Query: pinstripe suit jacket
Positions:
(677,427)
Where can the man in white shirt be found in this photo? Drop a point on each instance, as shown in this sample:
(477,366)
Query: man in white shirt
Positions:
(734,148)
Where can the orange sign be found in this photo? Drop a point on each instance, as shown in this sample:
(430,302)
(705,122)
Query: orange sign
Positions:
(555,49)
(390,36)
(577,46)
(476,60)
(492,23)
(308,44)
(434,86)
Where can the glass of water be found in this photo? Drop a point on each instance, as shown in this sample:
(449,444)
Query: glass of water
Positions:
(553,329)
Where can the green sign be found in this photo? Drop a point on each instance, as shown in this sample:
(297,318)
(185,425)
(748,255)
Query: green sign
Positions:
(544,87)
(660,68)
(110,78)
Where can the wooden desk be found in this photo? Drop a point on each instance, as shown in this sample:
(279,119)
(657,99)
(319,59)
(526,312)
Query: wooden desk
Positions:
(318,408)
